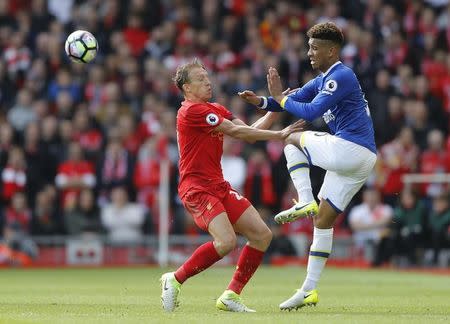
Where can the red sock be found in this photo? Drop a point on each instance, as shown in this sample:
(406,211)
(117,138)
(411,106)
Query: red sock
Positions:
(202,258)
(249,261)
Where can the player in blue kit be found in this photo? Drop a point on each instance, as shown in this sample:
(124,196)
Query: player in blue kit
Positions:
(348,154)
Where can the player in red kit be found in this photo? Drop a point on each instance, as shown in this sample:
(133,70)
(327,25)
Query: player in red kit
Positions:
(214,205)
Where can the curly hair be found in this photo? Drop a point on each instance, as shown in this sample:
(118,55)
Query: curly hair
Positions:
(327,31)
(182,74)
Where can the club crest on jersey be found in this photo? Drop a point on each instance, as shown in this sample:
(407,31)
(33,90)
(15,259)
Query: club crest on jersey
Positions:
(331,85)
(328,116)
(212,119)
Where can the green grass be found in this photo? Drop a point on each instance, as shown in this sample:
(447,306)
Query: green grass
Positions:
(133,296)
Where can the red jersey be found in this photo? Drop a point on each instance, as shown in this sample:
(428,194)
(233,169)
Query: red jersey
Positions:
(200,148)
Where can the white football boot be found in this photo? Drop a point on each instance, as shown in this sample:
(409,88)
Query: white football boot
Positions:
(170,288)
(300,299)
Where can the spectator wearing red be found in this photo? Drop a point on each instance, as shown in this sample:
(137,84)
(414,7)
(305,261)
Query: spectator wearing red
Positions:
(146,173)
(396,50)
(94,88)
(150,122)
(259,183)
(115,169)
(129,135)
(411,17)
(135,35)
(435,70)
(398,157)
(89,138)
(14,177)
(427,22)
(75,173)
(435,159)
(18,212)
(445,85)
(269,31)
(17,56)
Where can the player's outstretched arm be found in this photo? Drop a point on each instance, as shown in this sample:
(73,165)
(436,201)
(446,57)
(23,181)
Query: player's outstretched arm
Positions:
(250,97)
(264,103)
(266,121)
(320,103)
(250,134)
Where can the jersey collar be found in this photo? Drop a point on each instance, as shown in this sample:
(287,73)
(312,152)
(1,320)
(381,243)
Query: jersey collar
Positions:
(330,68)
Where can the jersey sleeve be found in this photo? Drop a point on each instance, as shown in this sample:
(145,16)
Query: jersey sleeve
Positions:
(304,94)
(224,111)
(203,117)
(336,87)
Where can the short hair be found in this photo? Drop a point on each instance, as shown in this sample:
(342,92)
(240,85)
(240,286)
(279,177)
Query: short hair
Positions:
(327,31)
(182,74)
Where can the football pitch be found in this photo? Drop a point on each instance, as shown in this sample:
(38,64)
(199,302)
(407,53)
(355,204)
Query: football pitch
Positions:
(133,296)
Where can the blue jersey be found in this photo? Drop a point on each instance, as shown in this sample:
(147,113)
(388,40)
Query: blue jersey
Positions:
(336,96)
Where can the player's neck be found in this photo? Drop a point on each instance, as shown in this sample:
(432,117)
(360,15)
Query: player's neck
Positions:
(330,64)
(195,99)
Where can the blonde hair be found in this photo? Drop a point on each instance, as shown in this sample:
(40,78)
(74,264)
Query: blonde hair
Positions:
(182,74)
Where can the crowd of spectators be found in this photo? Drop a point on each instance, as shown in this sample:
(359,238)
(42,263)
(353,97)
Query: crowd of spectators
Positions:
(81,145)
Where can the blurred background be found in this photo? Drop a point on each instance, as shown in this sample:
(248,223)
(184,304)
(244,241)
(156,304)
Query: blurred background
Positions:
(88,153)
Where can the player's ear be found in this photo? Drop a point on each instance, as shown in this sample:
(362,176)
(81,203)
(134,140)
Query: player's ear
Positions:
(185,87)
(333,50)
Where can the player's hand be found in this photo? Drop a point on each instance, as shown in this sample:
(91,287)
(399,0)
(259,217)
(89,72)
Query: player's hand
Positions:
(288,91)
(274,84)
(250,97)
(298,126)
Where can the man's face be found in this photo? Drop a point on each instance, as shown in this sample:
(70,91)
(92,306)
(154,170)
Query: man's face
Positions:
(199,85)
(320,53)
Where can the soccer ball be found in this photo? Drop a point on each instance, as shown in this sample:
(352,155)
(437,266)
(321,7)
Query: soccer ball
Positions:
(81,46)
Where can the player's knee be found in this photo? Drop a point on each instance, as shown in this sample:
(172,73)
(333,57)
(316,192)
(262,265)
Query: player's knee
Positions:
(266,236)
(323,222)
(261,239)
(225,244)
(293,139)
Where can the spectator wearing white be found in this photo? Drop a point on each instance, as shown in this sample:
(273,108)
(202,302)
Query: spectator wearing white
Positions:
(22,113)
(369,222)
(233,167)
(122,218)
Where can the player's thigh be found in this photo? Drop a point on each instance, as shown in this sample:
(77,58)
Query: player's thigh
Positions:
(251,225)
(336,154)
(338,189)
(222,231)
(203,208)
(318,148)
(235,205)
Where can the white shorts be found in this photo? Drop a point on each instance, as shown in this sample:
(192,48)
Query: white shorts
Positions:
(348,166)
